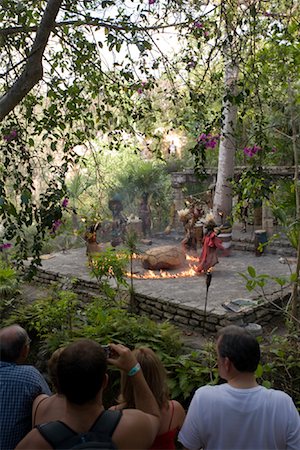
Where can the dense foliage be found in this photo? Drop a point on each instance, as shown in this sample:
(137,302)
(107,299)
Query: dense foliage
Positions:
(62,316)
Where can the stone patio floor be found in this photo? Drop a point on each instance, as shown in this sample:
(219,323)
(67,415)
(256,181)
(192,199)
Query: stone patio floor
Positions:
(227,285)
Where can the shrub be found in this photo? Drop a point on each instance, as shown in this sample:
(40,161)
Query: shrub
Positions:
(280,365)
(9,287)
(59,319)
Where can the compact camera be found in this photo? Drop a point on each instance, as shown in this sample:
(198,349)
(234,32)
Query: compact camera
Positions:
(107,350)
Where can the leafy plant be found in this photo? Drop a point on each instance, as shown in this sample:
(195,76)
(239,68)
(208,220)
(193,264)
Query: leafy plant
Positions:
(191,370)
(107,265)
(280,365)
(9,287)
(63,317)
(49,316)
(258,282)
(9,282)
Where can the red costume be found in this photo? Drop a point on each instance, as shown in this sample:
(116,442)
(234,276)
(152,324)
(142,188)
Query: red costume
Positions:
(208,256)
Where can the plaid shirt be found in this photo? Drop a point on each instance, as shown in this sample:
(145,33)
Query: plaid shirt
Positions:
(19,386)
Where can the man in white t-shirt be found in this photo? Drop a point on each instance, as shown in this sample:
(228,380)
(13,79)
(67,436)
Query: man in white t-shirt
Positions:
(240,414)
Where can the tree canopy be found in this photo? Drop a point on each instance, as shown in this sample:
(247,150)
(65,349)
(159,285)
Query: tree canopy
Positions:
(73,69)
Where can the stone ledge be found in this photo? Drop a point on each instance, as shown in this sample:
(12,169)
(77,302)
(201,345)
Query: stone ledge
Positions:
(182,315)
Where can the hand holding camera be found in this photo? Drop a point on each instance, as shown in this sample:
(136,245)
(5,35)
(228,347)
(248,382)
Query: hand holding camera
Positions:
(121,357)
(107,350)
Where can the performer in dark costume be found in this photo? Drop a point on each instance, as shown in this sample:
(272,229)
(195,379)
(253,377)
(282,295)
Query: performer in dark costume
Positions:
(145,215)
(119,221)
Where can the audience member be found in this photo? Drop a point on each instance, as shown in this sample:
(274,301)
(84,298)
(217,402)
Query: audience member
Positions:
(45,408)
(20,385)
(240,414)
(81,373)
(172,413)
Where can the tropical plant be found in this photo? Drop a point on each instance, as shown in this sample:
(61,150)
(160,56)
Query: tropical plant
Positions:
(9,283)
(258,283)
(107,265)
(148,178)
(280,365)
(62,317)
(9,287)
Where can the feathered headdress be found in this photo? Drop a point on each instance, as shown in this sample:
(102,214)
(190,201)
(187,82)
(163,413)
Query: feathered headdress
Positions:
(183,213)
(209,221)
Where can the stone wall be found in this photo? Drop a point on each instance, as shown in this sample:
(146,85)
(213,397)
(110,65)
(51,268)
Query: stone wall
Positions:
(188,317)
(182,316)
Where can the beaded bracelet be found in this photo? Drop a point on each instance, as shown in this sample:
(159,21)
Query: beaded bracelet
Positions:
(134,370)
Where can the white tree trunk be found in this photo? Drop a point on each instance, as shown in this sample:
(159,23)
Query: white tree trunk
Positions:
(223,192)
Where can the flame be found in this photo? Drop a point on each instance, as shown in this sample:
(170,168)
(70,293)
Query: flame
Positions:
(163,274)
(151,274)
(192,258)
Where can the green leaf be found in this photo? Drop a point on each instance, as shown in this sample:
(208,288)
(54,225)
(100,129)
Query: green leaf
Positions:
(280,281)
(259,371)
(267,384)
(294,277)
(25,196)
(251,271)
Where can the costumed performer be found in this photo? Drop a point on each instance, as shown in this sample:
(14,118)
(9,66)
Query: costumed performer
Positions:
(211,243)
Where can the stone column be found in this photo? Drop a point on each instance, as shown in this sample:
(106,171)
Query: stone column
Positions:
(178,181)
(257,217)
(267,219)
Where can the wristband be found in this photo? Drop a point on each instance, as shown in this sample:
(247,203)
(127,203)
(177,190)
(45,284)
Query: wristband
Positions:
(135,369)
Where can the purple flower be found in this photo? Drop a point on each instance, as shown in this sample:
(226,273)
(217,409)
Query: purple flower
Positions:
(211,144)
(55,226)
(256,148)
(208,140)
(251,151)
(151,2)
(5,246)
(202,137)
(65,202)
(140,90)
(198,24)
(11,136)
(206,33)
(274,150)
(248,151)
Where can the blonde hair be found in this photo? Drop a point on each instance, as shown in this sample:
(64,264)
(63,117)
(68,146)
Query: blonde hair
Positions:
(52,367)
(155,374)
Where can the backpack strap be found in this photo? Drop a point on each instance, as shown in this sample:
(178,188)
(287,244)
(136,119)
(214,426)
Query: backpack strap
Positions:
(55,432)
(107,422)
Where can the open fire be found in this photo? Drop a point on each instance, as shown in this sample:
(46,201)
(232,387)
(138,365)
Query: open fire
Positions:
(159,274)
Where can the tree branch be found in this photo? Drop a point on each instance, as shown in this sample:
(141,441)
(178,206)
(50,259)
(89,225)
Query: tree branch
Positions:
(91,22)
(33,70)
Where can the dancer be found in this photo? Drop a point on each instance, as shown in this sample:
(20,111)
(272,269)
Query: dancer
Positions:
(211,243)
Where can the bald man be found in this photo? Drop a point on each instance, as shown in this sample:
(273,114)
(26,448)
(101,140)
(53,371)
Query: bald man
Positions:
(20,385)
